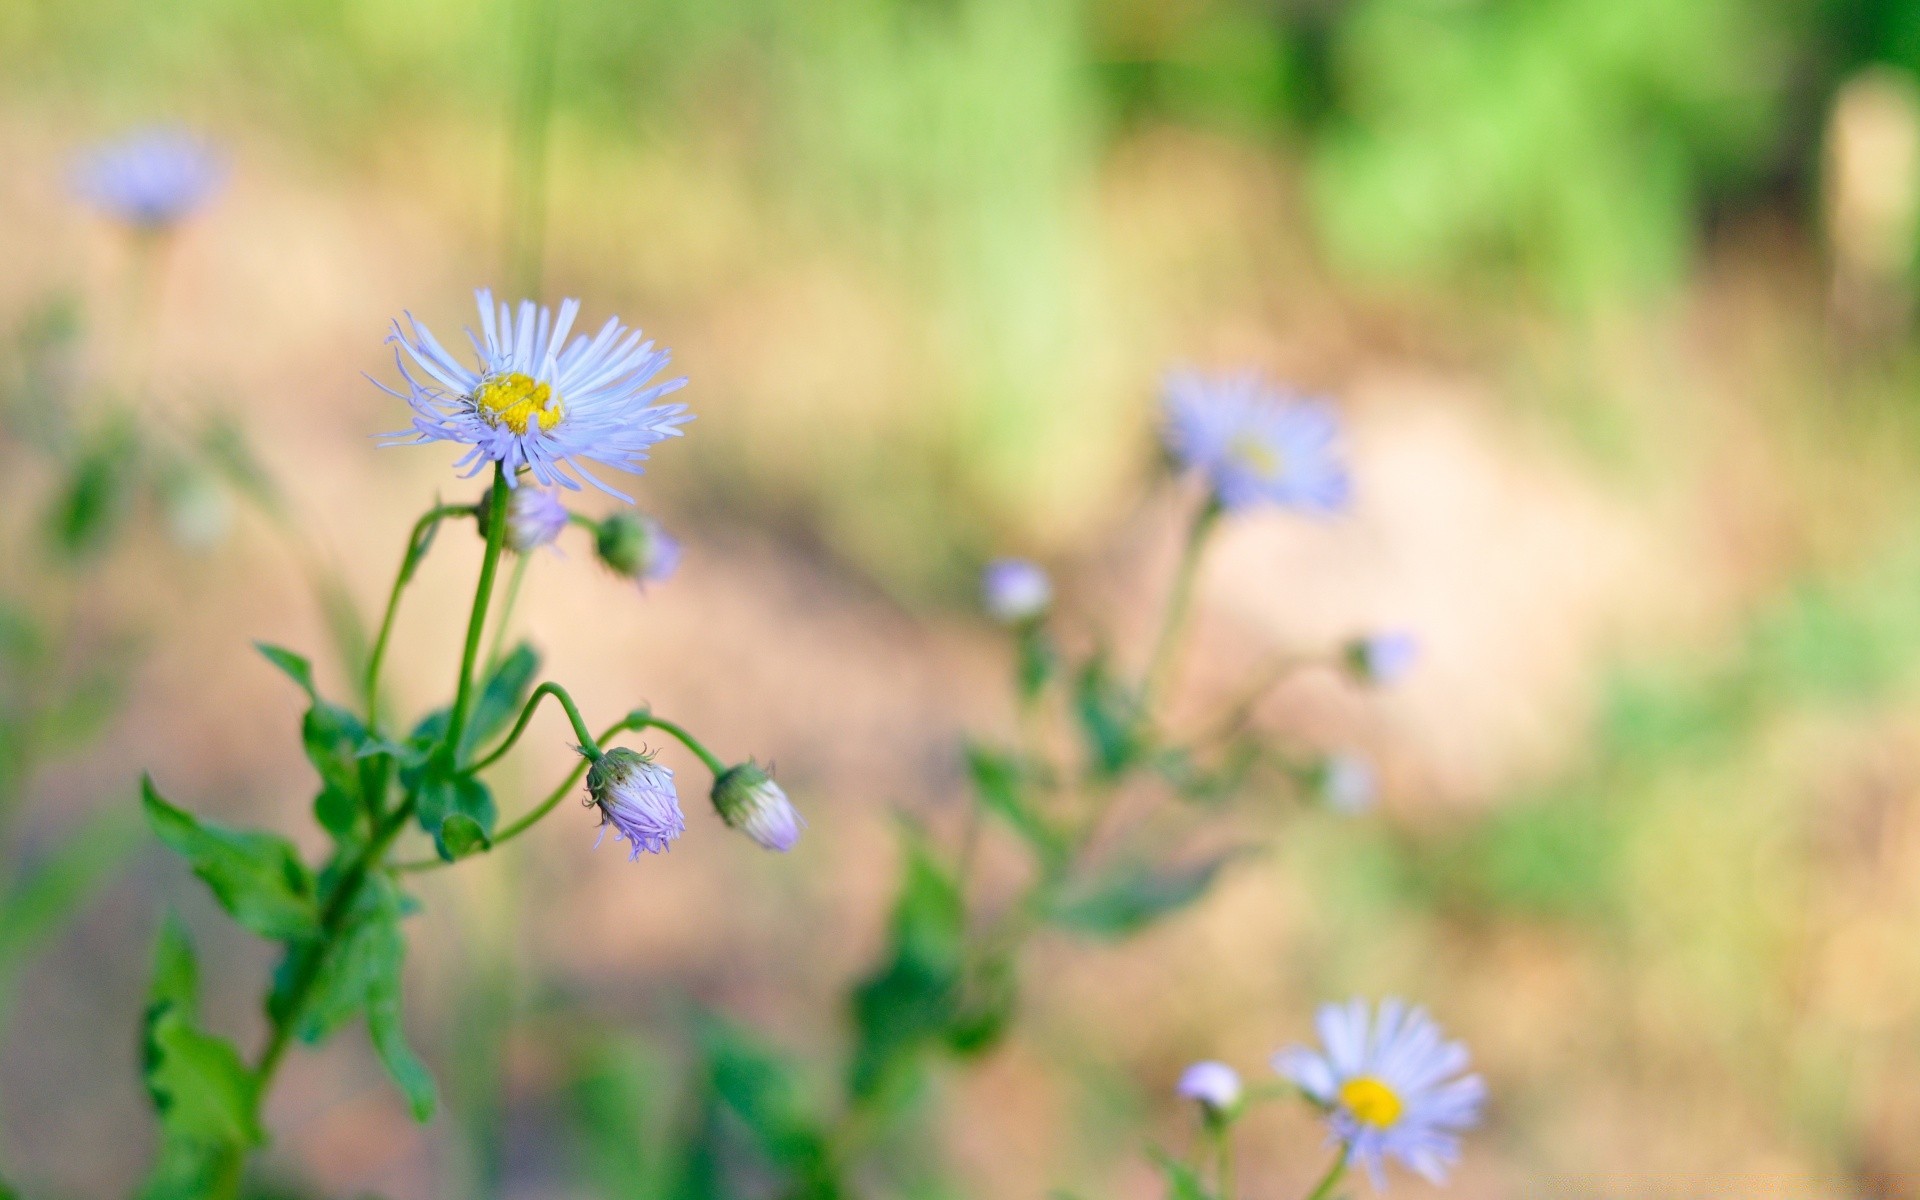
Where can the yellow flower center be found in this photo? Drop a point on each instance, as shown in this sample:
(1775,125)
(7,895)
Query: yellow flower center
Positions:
(516,401)
(1370,1101)
(1256,454)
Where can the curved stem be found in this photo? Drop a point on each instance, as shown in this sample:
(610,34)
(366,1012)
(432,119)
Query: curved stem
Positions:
(588,744)
(706,756)
(417,543)
(1325,1187)
(477,620)
(1179,600)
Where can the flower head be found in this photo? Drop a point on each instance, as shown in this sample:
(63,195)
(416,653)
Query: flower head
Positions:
(537,401)
(1385,657)
(150,179)
(1347,783)
(1391,1087)
(536,517)
(1214,1084)
(1014,590)
(748,799)
(634,545)
(636,797)
(1255,444)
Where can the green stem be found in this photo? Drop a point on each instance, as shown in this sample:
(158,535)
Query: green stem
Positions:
(505,620)
(1325,1187)
(1223,1158)
(706,756)
(588,745)
(417,543)
(1179,601)
(477,620)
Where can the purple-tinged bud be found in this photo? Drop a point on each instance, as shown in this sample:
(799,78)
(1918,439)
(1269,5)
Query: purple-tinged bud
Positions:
(1383,658)
(748,799)
(636,797)
(1347,784)
(1215,1085)
(635,545)
(1015,590)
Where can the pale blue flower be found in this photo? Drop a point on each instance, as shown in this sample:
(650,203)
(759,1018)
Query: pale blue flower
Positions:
(1214,1084)
(636,797)
(748,799)
(1348,784)
(150,179)
(1385,657)
(536,400)
(1014,590)
(1255,444)
(1391,1086)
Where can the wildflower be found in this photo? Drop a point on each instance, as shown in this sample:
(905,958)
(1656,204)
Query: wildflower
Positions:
(634,545)
(535,518)
(1347,784)
(748,799)
(1214,1084)
(1014,590)
(150,179)
(1390,1087)
(537,401)
(635,795)
(1253,443)
(1383,658)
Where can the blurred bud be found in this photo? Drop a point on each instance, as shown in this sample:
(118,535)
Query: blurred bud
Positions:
(637,547)
(748,799)
(1015,590)
(199,510)
(636,796)
(535,517)
(1215,1085)
(1383,658)
(1347,784)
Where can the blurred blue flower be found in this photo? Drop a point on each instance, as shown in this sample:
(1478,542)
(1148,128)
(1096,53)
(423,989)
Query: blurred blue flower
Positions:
(1347,784)
(1391,1087)
(1255,444)
(150,179)
(635,545)
(1214,1084)
(1014,590)
(537,401)
(636,797)
(1384,658)
(748,799)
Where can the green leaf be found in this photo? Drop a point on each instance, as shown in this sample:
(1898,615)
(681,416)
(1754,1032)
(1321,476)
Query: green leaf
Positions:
(1039,661)
(176,976)
(1183,1182)
(1134,896)
(296,666)
(444,797)
(1002,786)
(1110,718)
(502,696)
(93,499)
(406,1070)
(257,877)
(910,1002)
(332,738)
(202,1090)
(766,1093)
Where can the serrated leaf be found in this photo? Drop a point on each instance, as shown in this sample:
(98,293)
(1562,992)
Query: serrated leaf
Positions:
(203,1091)
(1001,785)
(257,877)
(295,666)
(1134,896)
(502,696)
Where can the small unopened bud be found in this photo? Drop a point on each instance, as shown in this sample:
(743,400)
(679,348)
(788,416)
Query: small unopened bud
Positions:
(636,797)
(635,545)
(1014,590)
(1384,658)
(1347,784)
(748,799)
(535,517)
(1215,1085)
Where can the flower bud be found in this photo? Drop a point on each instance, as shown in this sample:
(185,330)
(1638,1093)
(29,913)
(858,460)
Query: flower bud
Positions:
(1383,658)
(636,797)
(1214,1084)
(748,799)
(535,517)
(1347,784)
(636,546)
(1015,591)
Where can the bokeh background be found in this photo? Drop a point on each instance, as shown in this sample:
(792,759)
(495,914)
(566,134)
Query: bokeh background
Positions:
(1616,295)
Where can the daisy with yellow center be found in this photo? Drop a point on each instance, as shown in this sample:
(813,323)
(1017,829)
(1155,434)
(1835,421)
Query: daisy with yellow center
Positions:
(538,402)
(1390,1086)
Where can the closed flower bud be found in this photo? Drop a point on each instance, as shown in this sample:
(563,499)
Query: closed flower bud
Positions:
(535,517)
(1014,590)
(1383,658)
(637,547)
(1347,784)
(635,795)
(1214,1084)
(748,799)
